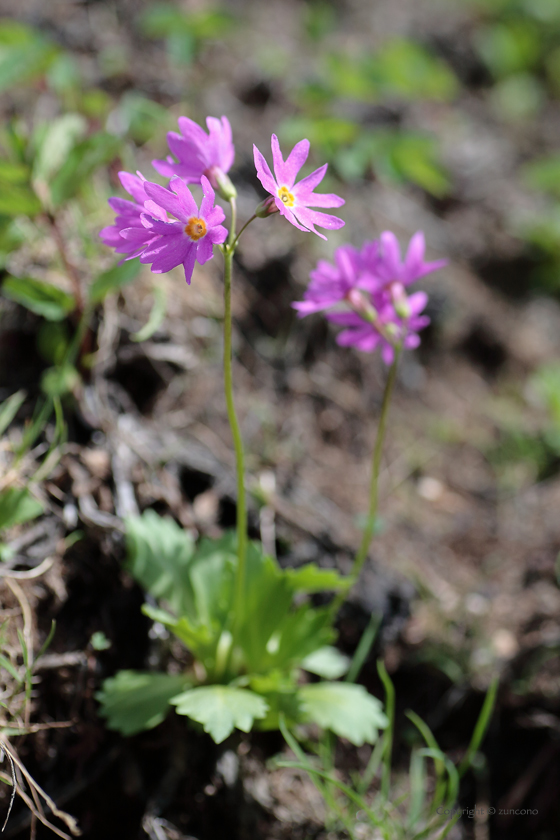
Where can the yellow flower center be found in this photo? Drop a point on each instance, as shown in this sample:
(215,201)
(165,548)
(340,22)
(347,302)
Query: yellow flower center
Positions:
(195,228)
(286,197)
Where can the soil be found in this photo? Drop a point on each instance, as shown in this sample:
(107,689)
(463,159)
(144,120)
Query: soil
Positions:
(464,569)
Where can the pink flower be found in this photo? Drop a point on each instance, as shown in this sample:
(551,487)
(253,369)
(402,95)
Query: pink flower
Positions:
(331,284)
(367,335)
(198,153)
(370,285)
(129,216)
(385,264)
(180,242)
(294,200)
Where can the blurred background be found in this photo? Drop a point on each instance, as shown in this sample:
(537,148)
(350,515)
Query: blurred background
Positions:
(434,115)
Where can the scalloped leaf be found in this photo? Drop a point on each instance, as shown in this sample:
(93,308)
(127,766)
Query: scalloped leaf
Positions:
(221,708)
(159,555)
(327,662)
(346,709)
(132,701)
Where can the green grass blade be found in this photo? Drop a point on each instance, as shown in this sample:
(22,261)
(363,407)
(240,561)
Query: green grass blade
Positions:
(481,726)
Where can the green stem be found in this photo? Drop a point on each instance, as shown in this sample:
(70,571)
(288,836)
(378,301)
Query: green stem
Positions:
(246,225)
(232,238)
(237,441)
(375,467)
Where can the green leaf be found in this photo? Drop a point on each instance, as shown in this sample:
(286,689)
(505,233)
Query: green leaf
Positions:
(407,69)
(156,316)
(17,506)
(200,639)
(12,172)
(9,408)
(327,133)
(415,158)
(56,143)
(136,700)
(279,689)
(197,585)
(162,19)
(99,641)
(24,53)
(113,280)
(18,200)
(78,167)
(53,339)
(509,47)
(212,581)
(221,708)
(139,117)
(327,662)
(160,553)
(12,671)
(302,631)
(347,710)
(266,602)
(310,578)
(11,237)
(59,380)
(543,174)
(519,97)
(42,298)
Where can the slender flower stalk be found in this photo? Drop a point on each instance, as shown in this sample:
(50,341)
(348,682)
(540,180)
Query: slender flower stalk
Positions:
(375,468)
(229,250)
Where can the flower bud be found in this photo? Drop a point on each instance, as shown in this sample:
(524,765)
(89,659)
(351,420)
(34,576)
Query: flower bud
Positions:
(221,182)
(361,305)
(400,300)
(266,208)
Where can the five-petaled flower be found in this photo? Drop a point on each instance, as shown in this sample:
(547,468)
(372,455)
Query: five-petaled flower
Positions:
(386,265)
(198,153)
(294,201)
(331,284)
(192,237)
(385,329)
(129,215)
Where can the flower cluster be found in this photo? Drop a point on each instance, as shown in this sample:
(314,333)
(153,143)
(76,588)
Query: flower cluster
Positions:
(368,287)
(142,227)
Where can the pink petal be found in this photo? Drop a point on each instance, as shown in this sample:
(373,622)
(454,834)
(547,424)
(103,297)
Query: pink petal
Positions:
(278,161)
(320,200)
(209,196)
(188,262)
(134,186)
(387,353)
(314,217)
(264,174)
(295,161)
(205,250)
(185,196)
(415,254)
(164,198)
(192,131)
(417,302)
(309,183)
(217,234)
(287,213)
(391,253)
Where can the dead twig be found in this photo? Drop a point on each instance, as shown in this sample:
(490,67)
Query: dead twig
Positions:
(35,805)
(32,573)
(14,784)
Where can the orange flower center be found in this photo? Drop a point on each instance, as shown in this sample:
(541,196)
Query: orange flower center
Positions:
(286,197)
(195,228)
